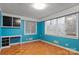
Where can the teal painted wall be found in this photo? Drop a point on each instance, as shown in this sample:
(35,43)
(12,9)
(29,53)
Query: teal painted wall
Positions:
(72,43)
(40,29)
(16,31)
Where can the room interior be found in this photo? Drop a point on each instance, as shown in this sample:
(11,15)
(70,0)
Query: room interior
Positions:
(39,29)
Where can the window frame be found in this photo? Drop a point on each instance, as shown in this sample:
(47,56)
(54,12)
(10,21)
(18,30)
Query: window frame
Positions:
(76,23)
(12,16)
(30,31)
(66,36)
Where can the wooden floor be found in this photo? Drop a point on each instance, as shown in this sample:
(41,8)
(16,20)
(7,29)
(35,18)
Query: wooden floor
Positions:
(35,48)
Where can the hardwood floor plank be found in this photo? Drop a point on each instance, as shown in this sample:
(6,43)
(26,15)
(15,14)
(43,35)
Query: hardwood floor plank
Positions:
(35,48)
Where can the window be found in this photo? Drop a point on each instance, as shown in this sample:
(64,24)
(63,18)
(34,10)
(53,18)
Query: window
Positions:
(55,26)
(71,25)
(63,26)
(9,21)
(30,27)
(50,27)
(16,22)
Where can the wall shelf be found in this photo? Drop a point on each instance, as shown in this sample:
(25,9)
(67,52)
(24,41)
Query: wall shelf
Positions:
(10,40)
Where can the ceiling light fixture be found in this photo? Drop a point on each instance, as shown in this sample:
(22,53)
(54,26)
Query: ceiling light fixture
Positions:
(39,6)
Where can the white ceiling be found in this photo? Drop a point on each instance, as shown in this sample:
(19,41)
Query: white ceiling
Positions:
(26,9)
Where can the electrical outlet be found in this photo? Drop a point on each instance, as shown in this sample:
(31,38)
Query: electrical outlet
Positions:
(55,41)
(66,44)
(30,39)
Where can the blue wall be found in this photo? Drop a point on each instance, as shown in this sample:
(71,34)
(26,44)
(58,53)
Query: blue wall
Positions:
(72,43)
(40,29)
(16,31)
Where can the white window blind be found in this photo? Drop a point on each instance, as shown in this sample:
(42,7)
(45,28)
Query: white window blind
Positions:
(62,26)
(71,25)
(30,27)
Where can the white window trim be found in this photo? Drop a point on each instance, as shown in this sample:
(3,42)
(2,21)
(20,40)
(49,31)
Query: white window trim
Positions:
(67,36)
(29,33)
(4,14)
(77,30)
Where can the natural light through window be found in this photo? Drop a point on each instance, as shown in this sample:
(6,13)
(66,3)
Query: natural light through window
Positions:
(30,27)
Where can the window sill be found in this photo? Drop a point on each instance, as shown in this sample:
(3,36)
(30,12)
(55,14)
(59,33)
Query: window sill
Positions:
(64,36)
(30,34)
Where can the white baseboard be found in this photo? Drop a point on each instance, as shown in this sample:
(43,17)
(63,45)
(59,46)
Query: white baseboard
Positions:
(19,43)
(45,42)
(5,47)
(53,44)
(60,46)
(30,41)
(15,43)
